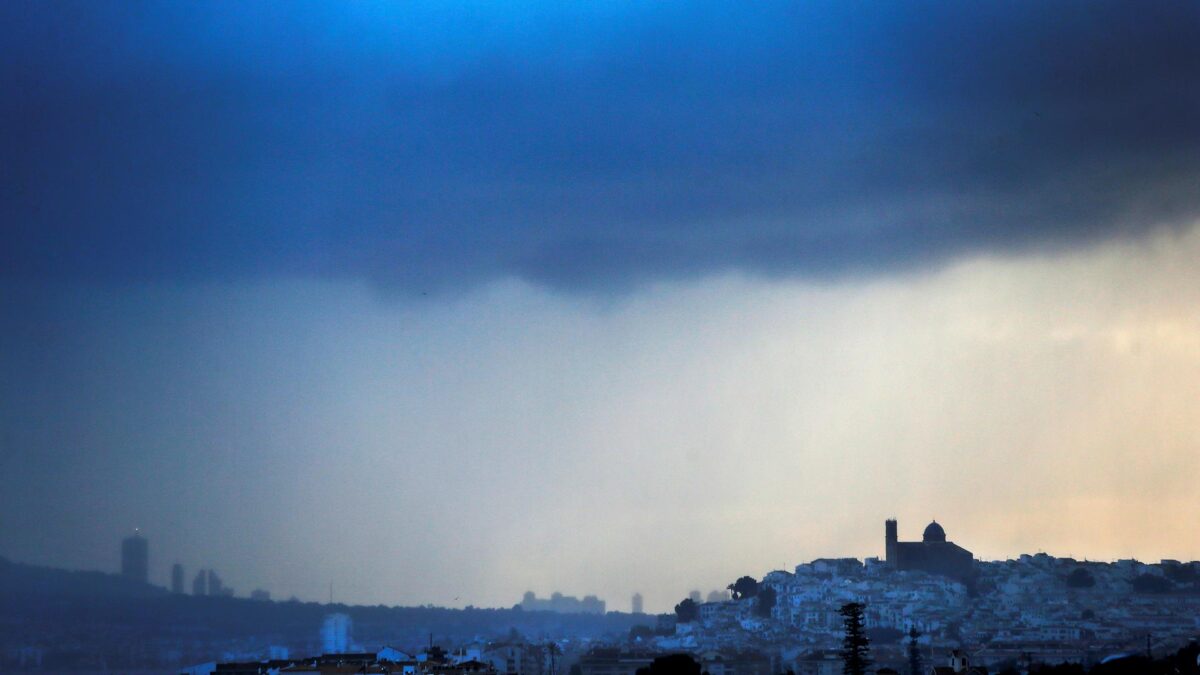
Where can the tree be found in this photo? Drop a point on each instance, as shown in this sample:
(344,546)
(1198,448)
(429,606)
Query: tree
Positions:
(672,664)
(687,611)
(915,666)
(746,587)
(856,658)
(765,602)
(1182,574)
(1080,578)
(1148,583)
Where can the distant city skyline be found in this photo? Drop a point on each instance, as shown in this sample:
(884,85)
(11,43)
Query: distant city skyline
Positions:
(135,554)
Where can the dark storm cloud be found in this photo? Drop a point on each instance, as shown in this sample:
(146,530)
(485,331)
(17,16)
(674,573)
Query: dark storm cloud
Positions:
(419,149)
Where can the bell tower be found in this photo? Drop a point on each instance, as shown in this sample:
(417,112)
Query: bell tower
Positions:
(890,541)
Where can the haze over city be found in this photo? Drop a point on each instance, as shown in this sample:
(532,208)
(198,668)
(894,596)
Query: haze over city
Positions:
(444,307)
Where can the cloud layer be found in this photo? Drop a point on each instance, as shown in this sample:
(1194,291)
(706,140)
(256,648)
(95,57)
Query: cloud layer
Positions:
(583,148)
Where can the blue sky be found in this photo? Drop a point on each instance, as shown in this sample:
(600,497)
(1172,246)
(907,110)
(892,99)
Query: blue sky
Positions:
(610,282)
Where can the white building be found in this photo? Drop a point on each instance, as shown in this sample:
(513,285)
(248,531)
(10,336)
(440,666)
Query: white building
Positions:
(335,634)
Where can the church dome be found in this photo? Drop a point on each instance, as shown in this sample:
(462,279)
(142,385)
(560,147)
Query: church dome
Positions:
(934,532)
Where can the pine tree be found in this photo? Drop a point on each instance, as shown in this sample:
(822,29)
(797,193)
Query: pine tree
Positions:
(855,645)
(914,653)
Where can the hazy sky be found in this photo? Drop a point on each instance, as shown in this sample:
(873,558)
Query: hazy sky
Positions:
(446,306)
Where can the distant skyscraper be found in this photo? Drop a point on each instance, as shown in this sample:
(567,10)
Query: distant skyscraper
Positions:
(177,578)
(695,596)
(218,587)
(200,583)
(335,634)
(135,558)
(637,603)
(718,596)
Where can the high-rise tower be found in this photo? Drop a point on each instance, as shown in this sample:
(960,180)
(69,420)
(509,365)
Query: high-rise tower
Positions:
(215,585)
(335,634)
(200,583)
(135,558)
(177,578)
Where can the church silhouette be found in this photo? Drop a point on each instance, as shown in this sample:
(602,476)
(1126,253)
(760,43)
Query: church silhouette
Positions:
(932,554)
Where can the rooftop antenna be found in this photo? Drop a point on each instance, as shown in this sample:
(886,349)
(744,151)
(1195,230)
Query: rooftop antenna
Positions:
(331,592)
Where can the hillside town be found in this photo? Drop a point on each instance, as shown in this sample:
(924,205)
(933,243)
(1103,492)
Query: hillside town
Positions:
(1033,608)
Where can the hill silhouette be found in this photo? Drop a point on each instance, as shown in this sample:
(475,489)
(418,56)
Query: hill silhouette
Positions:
(81,620)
